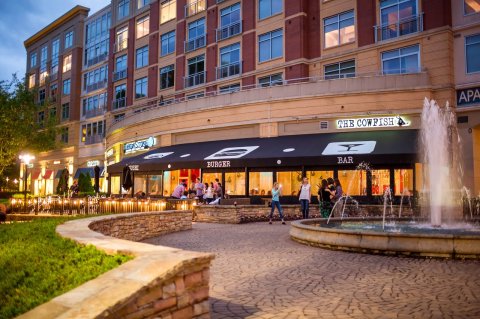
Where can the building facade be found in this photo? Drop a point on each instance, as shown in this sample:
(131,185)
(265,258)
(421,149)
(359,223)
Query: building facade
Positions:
(184,72)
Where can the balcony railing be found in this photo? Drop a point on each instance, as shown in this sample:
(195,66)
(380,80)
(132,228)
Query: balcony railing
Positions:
(195,79)
(405,26)
(119,103)
(228,70)
(119,75)
(52,77)
(52,99)
(96,86)
(229,31)
(195,43)
(122,45)
(97,59)
(195,7)
(93,139)
(94,112)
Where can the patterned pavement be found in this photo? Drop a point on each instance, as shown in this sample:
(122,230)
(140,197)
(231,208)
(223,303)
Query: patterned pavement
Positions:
(260,273)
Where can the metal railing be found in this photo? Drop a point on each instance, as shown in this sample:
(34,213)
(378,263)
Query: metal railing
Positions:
(119,46)
(119,103)
(119,75)
(228,70)
(52,76)
(93,139)
(95,112)
(195,79)
(402,27)
(97,59)
(195,7)
(229,31)
(195,43)
(96,86)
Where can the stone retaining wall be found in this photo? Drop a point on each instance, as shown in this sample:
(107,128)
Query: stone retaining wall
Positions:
(160,282)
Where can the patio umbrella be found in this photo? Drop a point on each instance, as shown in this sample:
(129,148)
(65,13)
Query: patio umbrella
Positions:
(96,185)
(127,178)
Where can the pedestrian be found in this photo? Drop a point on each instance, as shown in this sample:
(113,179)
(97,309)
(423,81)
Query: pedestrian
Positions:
(208,192)
(276,193)
(324,194)
(304,197)
(219,191)
(331,188)
(338,189)
(74,189)
(199,188)
(178,191)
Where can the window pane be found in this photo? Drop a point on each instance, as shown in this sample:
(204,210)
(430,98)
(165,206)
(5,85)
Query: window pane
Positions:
(277,6)
(140,182)
(472,6)
(264,48)
(315,178)
(264,8)
(290,182)
(473,53)
(115,184)
(260,183)
(332,38)
(354,183)
(391,66)
(380,181)
(403,182)
(277,47)
(410,64)
(235,183)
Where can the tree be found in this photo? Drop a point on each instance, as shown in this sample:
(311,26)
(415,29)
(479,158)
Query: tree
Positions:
(20,129)
(85,183)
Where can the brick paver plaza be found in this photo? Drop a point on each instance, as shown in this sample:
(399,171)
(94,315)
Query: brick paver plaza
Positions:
(260,273)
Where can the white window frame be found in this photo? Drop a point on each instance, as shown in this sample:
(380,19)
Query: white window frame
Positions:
(270,38)
(400,56)
(466,60)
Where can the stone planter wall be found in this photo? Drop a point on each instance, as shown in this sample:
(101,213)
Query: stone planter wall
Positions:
(160,282)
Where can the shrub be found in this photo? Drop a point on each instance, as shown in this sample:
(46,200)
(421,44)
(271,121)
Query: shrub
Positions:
(85,184)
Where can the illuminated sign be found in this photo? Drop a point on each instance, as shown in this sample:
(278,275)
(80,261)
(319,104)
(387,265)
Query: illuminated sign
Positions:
(231,152)
(141,145)
(372,122)
(133,167)
(110,152)
(468,96)
(56,162)
(93,163)
(347,148)
(218,164)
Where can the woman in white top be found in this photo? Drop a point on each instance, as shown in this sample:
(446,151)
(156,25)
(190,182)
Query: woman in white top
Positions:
(304,197)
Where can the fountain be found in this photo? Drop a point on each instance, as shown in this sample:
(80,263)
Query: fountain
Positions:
(439,234)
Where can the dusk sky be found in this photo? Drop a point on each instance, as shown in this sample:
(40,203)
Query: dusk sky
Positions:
(20,19)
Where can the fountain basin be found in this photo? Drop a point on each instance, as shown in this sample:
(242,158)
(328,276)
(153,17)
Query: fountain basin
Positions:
(434,243)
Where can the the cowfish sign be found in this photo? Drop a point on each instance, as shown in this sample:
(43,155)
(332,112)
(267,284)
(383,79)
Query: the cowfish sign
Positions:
(141,145)
(468,96)
(372,122)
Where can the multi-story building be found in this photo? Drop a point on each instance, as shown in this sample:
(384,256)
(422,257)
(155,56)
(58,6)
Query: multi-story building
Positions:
(256,91)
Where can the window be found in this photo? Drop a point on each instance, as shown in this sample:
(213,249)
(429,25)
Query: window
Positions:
(66,87)
(403,60)
(31,80)
(195,96)
(471,6)
(43,58)
(196,35)
(93,132)
(55,52)
(270,45)
(155,185)
(65,111)
(168,10)
(95,79)
(33,59)
(123,8)
(196,68)
(290,182)
(472,50)
(403,182)
(380,181)
(119,117)
(229,61)
(142,57)
(94,103)
(64,135)
(122,39)
(53,113)
(53,92)
(120,68)
(43,77)
(167,77)
(194,6)
(119,100)
(260,183)
(398,17)
(267,8)
(143,26)
(339,29)
(168,43)
(230,88)
(315,178)
(355,181)
(235,183)
(67,63)
(141,86)
(41,117)
(230,24)
(68,39)
(41,96)
(345,69)
(274,79)
(142,3)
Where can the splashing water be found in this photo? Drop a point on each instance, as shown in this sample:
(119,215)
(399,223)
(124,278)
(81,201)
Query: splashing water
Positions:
(387,198)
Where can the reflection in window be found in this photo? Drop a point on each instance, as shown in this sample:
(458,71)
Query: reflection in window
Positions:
(354,182)
(380,181)
(140,184)
(472,6)
(115,184)
(472,48)
(403,182)
(211,177)
(270,45)
(143,26)
(339,29)
(235,183)
(267,8)
(155,185)
(168,10)
(315,179)
(260,183)
(403,60)
(290,182)
(173,178)
(398,17)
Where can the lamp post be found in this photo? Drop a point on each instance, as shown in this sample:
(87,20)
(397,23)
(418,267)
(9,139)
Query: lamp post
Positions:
(25,159)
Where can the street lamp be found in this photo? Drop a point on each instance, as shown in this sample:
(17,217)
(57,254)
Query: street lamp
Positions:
(25,159)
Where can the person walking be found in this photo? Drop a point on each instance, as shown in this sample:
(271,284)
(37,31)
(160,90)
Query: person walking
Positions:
(209,192)
(219,191)
(324,194)
(199,188)
(276,192)
(304,197)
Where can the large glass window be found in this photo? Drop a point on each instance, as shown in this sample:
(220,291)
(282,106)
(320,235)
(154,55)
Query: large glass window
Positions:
(260,183)
(229,88)
(142,3)
(167,77)
(122,39)
(229,61)
(168,10)
(68,39)
(67,63)
(380,181)
(398,17)
(270,45)
(119,98)
(123,8)
(140,184)
(142,57)
(354,182)
(345,69)
(65,111)
(403,60)
(472,48)
(31,80)
(274,79)
(290,182)
(211,177)
(141,87)
(235,183)
(339,29)
(173,178)
(168,43)
(66,87)
(33,59)
(230,23)
(194,6)
(267,8)
(43,58)
(154,185)
(143,26)
(64,135)
(196,35)
(121,63)
(115,185)
(196,71)
(403,182)
(471,6)
(315,178)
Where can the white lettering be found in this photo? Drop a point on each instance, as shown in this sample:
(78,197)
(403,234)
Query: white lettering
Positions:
(383,121)
(345,160)
(219,164)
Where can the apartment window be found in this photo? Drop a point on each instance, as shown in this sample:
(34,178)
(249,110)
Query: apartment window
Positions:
(122,39)
(141,86)
(65,111)
(230,88)
(31,80)
(66,87)
(53,113)
(167,77)
(142,57)
(345,69)
(196,35)
(43,57)
(53,92)
(41,117)
(229,61)
(41,96)
(33,59)
(142,3)
(403,60)
(471,6)
(68,39)
(94,103)
(95,79)
(93,132)
(168,43)
(123,8)
(268,8)
(168,10)
(270,45)
(143,26)
(64,135)
(121,63)
(230,23)
(55,52)
(398,17)
(195,96)
(339,29)
(119,117)
(196,71)
(472,50)
(67,63)
(274,79)
(194,6)
(120,91)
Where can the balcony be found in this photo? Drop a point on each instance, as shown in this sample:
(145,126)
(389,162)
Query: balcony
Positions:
(52,99)
(119,103)
(229,31)
(122,45)
(195,43)
(119,75)
(229,70)
(195,79)
(405,26)
(94,112)
(93,139)
(195,7)
(97,59)
(96,86)
(52,77)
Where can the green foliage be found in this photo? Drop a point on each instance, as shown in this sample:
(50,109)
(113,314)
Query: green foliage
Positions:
(63,181)
(85,184)
(37,265)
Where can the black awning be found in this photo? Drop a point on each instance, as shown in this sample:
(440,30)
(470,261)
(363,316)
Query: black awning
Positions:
(87,170)
(346,148)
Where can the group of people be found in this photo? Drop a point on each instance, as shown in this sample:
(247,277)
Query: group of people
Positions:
(329,192)
(204,192)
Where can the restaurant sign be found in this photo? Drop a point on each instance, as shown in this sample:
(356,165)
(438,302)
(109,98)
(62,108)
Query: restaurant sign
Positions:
(468,96)
(141,145)
(372,122)
(93,163)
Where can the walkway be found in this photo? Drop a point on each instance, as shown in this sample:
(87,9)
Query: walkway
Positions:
(260,273)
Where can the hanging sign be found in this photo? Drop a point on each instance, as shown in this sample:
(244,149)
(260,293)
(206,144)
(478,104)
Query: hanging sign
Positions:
(141,145)
(372,122)
(468,96)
